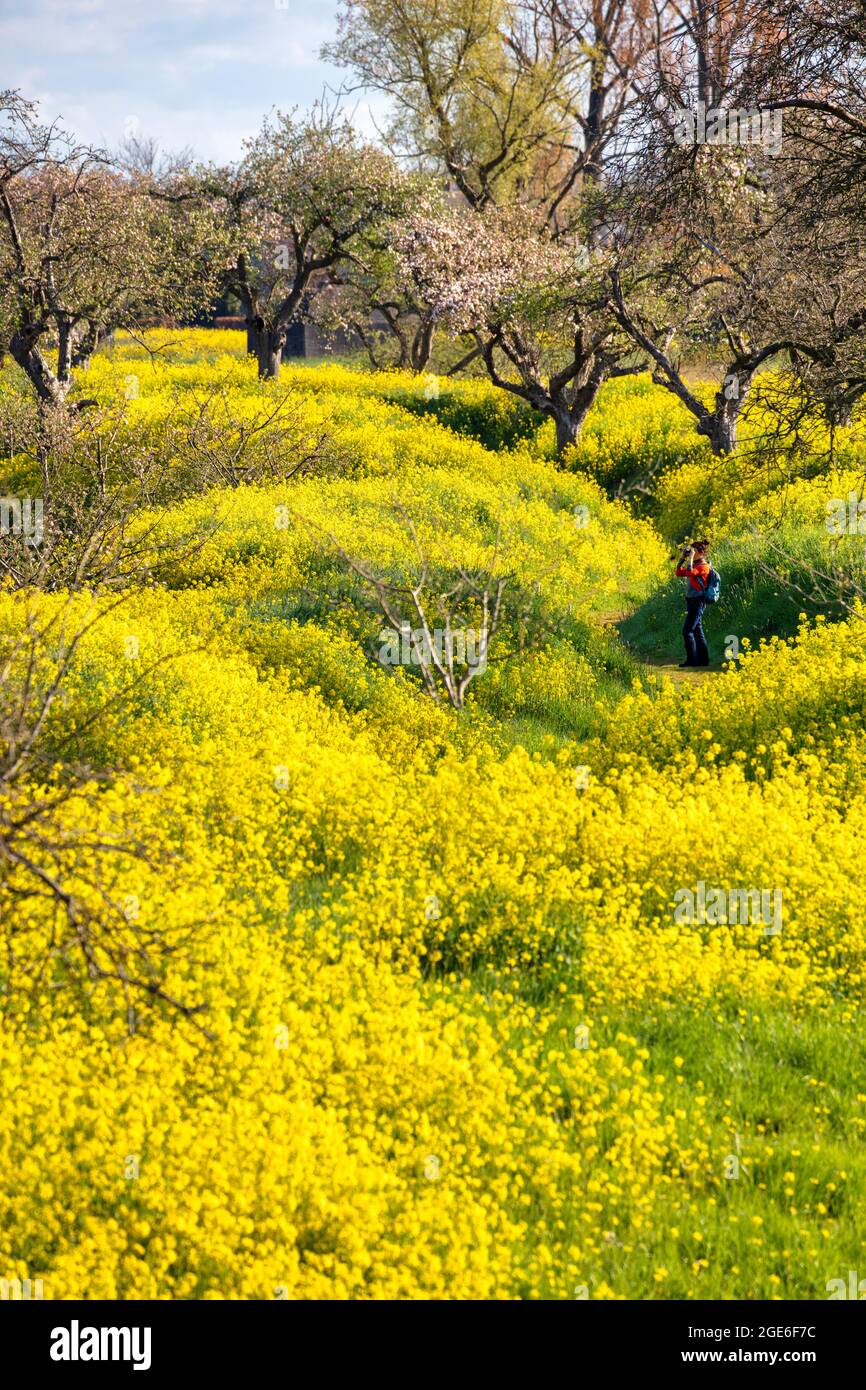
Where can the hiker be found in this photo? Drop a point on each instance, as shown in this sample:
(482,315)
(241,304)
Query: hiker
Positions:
(694,567)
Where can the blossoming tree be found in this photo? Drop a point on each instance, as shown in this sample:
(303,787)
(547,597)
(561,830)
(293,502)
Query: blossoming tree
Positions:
(519,106)
(536,306)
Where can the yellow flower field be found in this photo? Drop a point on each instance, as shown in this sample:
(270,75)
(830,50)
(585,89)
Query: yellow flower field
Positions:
(442,1032)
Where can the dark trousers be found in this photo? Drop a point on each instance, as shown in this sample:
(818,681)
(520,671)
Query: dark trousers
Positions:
(697,651)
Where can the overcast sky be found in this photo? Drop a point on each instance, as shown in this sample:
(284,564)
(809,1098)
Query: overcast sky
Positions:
(201,73)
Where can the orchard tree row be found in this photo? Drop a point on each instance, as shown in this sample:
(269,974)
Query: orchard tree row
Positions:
(570,190)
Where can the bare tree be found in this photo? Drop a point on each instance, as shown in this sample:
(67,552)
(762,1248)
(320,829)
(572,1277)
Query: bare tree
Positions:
(716,248)
(66,921)
(518,104)
(442,622)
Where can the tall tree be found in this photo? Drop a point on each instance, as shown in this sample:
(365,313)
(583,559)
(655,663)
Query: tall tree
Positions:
(84,249)
(511,99)
(519,103)
(304,196)
(541,322)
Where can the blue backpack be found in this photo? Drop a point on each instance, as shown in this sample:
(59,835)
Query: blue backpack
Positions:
(714,586)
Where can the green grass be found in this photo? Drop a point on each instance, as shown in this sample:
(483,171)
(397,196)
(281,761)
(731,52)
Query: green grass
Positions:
(781,1096)
(773,1096)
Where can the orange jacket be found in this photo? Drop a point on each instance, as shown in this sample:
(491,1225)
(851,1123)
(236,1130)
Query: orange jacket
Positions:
(696,577)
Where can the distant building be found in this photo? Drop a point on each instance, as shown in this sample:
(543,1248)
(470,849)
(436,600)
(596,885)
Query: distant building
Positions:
(302,339)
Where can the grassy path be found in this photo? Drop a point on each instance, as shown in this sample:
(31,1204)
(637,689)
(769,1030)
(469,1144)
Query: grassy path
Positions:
(679,675)
(660,665)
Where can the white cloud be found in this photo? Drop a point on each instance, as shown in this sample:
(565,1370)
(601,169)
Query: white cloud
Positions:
(201,73)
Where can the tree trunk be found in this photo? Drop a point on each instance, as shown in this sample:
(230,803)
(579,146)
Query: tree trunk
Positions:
(422,347)
(269,344)
(86,345)
(569,416)
(723,434)
(65,345)
(25,352)
(273,344)
(567,428)
(720,427)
